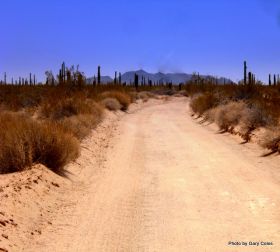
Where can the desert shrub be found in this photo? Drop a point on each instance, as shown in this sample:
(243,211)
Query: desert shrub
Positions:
(25,141)
(145,95)
(60,108)
(81,125)
(251,118)
(233,114)
(111,104)
(271,139)
(202,102)
(123,98)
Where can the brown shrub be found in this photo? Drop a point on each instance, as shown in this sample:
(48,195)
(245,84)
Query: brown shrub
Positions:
(271,139)
(123,98)
(111,104)
(145,95)
(81,125)
(229,115)
(25,141)
(203,102)
(60,108)
(235,114)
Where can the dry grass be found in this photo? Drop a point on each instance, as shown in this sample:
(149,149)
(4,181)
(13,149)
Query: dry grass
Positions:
(61,108)
(233,114)
(25,141)
(111,104)
(271,139)
(200,103)
(75,115)
(145,95)
(123,98)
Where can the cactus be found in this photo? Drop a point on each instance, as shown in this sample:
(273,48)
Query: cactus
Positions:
(94,81)
(63,71)
(136,81)
(269,80)
(120,78)
(99,75)
(30,79)
(34,80)
(245,72)
(5,78)
(250,78)
(115,79)
(274,80)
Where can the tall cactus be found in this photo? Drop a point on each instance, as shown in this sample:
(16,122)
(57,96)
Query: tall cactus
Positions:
(274,80)
(99,75)
(250,78)
(269,80)
(136,80)
(120,78)
(245,72)
(115,79)
(5,78)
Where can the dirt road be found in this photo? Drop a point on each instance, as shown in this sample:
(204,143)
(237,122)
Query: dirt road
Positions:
(167,183)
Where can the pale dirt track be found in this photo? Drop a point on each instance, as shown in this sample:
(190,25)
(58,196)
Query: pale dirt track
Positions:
(168,183)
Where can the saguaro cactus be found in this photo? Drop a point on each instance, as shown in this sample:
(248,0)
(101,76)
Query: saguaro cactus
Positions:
(5,78)
(250,78)
(136,81)
(274,80)
(245,72)
(99,75)
(115,79)
(269,80)
(94,81)
(120,78)
(30,79)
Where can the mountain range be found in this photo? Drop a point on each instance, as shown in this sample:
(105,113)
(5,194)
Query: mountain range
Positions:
(175,78)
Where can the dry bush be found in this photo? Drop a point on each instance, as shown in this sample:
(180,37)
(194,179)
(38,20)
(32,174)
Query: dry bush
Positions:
(145,95)
(25,141)
(111,104)
(203,102)
(74,115)
(228,116)
(81,125)
(60,108)
(123,98)
(271,139)
(233,114)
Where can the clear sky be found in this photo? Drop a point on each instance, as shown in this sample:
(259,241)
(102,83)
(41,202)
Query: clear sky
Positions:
(208,36)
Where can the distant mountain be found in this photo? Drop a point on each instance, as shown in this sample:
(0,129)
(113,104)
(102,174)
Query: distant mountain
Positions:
(104,80)
(175,78)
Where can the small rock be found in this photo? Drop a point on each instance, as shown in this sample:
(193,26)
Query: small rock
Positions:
(3,250)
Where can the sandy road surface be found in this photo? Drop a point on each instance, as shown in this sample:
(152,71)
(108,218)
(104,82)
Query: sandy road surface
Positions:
(167,183)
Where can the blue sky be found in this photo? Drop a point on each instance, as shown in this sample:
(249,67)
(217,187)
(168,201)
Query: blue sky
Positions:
(211,37)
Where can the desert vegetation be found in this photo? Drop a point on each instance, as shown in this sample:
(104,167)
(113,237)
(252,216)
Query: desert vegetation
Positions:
(44,123)
(239,108)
